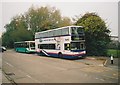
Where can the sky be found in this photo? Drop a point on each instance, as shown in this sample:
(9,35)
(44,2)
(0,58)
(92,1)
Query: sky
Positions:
(107,10)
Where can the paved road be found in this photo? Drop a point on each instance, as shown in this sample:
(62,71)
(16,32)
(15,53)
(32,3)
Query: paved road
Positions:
(114,65)
(30,68)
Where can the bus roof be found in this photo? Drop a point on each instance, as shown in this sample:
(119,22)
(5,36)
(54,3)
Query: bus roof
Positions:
(57,29)
(23,41)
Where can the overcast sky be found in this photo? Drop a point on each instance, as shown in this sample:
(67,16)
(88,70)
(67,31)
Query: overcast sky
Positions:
(108,11)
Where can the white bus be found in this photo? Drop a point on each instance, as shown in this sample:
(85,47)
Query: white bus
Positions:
(65,42)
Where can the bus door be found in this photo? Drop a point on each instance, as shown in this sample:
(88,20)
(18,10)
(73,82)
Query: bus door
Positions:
(60,43)
(82,46)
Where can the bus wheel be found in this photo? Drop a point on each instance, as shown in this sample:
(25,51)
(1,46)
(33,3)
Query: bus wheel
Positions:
(60,55)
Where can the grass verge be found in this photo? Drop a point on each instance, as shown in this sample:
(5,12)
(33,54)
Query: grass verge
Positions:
(113,52)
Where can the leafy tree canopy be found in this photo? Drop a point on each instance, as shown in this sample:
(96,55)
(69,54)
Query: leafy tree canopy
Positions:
(97,34)
(45,18)
(23,27)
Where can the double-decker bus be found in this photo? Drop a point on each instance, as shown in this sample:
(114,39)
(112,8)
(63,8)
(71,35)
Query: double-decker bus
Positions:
(65,42)
(25,46)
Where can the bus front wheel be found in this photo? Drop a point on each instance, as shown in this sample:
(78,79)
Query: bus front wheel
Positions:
(60,55)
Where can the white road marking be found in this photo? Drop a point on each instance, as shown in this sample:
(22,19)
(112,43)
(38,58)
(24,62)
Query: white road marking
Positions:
(105,62)
(33,79)
(102,79)
(96,78)
(100,65)
(110,77)
(29,76)
(9,64)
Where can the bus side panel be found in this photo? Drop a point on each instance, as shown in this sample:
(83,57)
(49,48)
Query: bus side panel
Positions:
(21,50)
(67,54)
(73,56)
(53,55)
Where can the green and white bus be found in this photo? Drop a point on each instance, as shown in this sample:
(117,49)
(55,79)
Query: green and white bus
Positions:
(25,46)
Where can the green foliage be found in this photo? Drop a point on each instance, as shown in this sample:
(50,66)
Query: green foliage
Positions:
(114,44)
(113,52)
(118,45)
(23,27)
(45,18)
(97,34)
(16,31)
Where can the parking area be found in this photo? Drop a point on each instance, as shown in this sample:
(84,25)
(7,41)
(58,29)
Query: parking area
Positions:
(100,61)
(31,68)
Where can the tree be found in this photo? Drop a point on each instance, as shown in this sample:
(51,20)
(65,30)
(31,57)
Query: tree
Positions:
(23,27)
(16,30)
(118,45)
(96,33)
(45,18)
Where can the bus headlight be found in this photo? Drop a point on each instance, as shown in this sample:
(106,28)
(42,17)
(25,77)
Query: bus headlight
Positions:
(37,50)
(27,49)
(84,52)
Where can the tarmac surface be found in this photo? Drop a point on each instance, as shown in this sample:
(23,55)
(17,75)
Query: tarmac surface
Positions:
(90,67)
(108,63)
